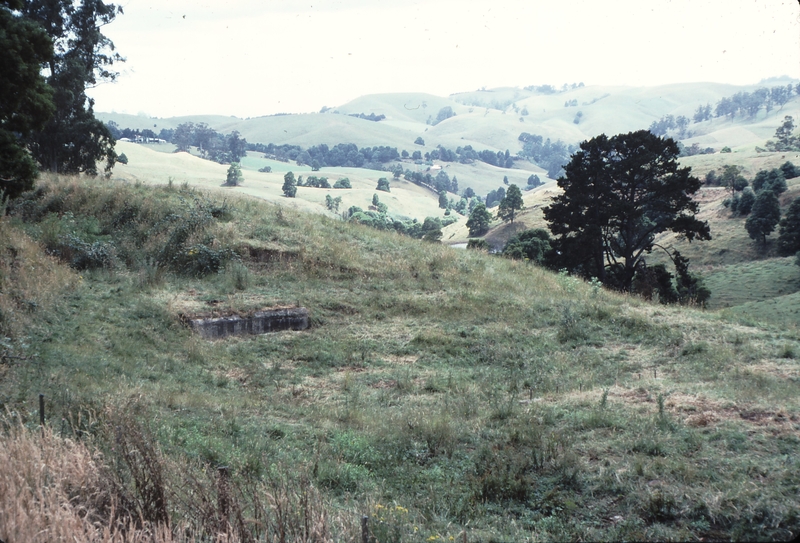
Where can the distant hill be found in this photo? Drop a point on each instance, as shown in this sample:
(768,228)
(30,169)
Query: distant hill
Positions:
(494,118)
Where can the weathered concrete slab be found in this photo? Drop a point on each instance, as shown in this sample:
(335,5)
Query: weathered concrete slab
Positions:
(260,322)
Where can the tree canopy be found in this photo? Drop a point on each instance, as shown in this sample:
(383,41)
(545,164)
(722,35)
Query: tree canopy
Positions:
(73,140)
(789,234)
(25,98)
(479,219)
(618,194)
(764,217)
(510,204)
(289,185)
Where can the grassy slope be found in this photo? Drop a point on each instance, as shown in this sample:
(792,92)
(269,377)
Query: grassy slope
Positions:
(463,388)
(614,109)
(405,199)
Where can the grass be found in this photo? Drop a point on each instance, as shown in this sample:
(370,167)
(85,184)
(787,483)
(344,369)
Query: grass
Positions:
(471,392)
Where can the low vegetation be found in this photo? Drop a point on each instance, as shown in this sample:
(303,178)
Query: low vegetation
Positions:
(437,391)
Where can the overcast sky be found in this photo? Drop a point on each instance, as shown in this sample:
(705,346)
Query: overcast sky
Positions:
(257,57)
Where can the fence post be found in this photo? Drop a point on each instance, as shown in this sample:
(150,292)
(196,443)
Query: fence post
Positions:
(364,529)
(223,495)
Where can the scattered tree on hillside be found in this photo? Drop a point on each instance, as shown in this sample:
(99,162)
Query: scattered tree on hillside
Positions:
(534,181)
(468,193)
(619,193)
(744,203)
(505,180)
(478,222)
(419,141)
(383,184)
(25,98)
(182,137)
(235,177)
(237,146)
(533,245)
(444,113)
(73,140)
(333,203)
(772,180)
(122,159)
(789,233)
(790,171)
(764,217)
(495,197)
(509,205)
(343,183)
(289,185)
(786,140)
(432,230)
(703,113)
(732,178)
(443,203)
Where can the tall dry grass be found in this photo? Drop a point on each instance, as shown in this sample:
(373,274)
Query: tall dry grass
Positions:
(30,279)
(53,489)
(57,489)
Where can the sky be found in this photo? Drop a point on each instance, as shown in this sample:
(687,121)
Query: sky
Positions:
(250,58)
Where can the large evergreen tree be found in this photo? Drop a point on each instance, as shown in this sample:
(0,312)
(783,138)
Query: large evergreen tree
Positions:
(73,140)
(25,99)
(764,216)
(789,234)
(619,193)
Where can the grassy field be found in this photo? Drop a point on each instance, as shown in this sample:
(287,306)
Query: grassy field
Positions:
(436,392)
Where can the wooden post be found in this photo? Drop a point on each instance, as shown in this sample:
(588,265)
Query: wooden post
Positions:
(223,495)
(655,373)
(465,536)
(41,409)
(364,529)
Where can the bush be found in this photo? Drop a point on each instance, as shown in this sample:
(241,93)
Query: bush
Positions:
(343,183)
(478,244)
(265,169)
(383,184)
(532,245)
(122,158)
(725,149)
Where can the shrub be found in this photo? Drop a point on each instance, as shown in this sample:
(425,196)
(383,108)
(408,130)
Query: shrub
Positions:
(478,244)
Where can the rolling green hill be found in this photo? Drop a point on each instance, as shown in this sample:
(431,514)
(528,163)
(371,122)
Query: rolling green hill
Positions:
(493,119)
(437,392)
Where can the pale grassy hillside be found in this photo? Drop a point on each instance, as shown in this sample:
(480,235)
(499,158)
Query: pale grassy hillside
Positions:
(478,122)
(414,107)
(405,200)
